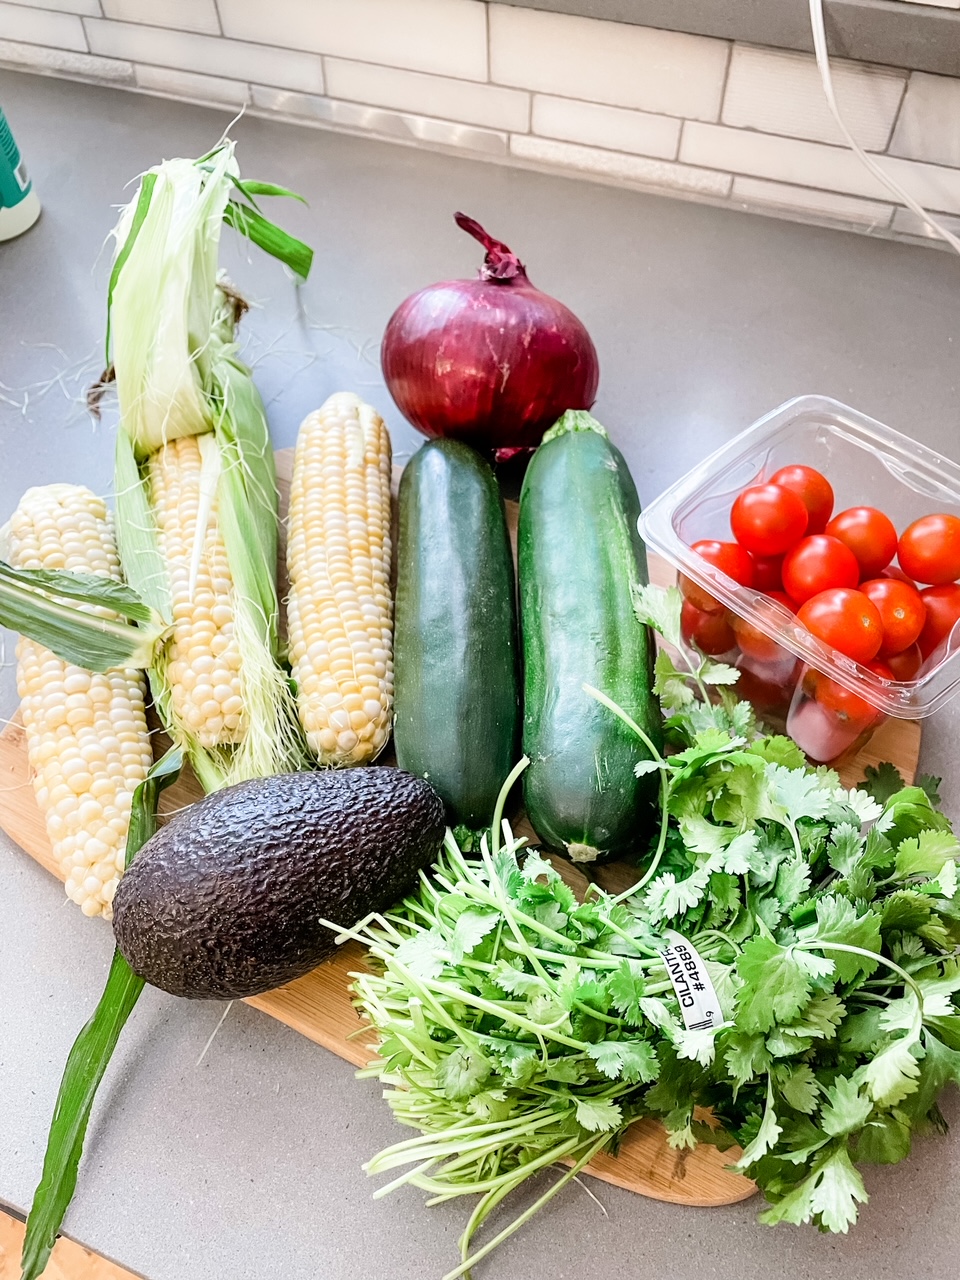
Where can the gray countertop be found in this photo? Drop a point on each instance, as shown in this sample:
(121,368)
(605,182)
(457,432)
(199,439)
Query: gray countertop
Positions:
(248,1163)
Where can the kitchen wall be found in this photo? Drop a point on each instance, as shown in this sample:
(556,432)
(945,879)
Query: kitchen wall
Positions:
(689,116)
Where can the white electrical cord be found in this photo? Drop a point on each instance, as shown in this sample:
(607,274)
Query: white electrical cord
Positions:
(823,62)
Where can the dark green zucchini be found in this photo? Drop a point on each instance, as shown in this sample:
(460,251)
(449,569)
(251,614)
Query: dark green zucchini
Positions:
(456,653)
(580,557)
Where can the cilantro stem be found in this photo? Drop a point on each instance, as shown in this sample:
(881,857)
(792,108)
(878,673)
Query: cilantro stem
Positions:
(518,1222)
(814,944)
(511,778)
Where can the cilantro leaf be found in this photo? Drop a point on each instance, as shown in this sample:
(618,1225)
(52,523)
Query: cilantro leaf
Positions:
(767,1134)
(598,1114)
(660,608)
(892,1075)
(837,921)
(781,750)
(746,1057)
(845,1109)
(423,953)
(718,673)
(629,1060)
(794,794)
(885,1140)
(462,1072)
(931,787)
(625,991)
(925,853)
(775,987)
(471,928)
(669,684)
(696,1046)
(838,1190)
(845,848)
(882,781)
(799,1087)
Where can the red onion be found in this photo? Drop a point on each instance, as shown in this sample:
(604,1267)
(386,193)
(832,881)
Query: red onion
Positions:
(493,361)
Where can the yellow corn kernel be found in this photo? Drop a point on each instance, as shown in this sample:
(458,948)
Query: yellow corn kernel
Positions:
(87,735)
(340,610)
(203,653)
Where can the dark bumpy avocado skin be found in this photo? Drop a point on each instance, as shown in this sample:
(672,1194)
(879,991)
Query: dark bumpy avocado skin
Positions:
(225,900)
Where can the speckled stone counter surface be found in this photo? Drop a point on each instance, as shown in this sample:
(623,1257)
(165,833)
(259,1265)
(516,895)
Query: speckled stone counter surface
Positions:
(248,1164)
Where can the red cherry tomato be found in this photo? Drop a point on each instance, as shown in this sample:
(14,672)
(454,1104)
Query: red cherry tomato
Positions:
(814,491)
(901,611)
(869,534)
(894,571)
(752,641)
(943,613)
(816,564)
(767,573)
(781,597)
(905,665)
(766,694)
(768,520)
(848,707)
(929,549)
(845,619)
(710,632)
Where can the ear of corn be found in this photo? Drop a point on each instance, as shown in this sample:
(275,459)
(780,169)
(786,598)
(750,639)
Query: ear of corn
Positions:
(340,611)
(86,731)
(195,480)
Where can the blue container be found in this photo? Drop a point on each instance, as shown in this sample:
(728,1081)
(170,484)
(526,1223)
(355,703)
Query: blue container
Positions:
(19,205)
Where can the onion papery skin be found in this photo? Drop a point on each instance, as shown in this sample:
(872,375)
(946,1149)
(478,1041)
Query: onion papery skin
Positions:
(493,362)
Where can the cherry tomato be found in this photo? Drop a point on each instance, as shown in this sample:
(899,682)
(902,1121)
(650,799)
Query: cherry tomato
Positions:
(729,558)
(767,693)
(816,564)
(710,632)
(869,534)
(846,706)
(781,597)
(814,491)
(901,612)
(767,573)
(845,619)
(906,664)
(929,549)
(768,520)
(753,642)
(943,613)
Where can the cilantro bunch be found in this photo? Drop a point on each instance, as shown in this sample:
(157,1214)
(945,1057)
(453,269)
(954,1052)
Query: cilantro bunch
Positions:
(519,1026)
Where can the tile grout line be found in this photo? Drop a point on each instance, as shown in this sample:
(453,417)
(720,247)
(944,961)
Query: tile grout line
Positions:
(896,115)
(726,81)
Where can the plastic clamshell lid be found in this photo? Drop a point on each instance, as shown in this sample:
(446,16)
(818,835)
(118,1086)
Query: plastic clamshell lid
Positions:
(867,463)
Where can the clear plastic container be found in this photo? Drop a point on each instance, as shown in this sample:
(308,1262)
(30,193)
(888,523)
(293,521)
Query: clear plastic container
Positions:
(829,701)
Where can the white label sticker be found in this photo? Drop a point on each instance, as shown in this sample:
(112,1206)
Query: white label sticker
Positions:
(699,1005)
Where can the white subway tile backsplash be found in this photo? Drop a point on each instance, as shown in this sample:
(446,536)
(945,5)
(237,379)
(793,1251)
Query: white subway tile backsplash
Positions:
(814,164)
(41,26)
(185,15)
(781,92)
(928,127)
(940,4)
(88,7)
(192,87)
(609,62)
(483,104)
(61,62)
(623,168)
(448,37)
(185,51)
(600,126)
(399,126)
(824,204)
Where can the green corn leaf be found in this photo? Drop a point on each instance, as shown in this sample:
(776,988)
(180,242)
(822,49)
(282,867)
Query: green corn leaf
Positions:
(139,216)
(266,235)
(251,187)
(87,588)
(95,643)
(90,1056)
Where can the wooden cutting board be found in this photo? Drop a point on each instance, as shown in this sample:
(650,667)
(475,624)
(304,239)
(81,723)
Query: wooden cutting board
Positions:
(319,1007)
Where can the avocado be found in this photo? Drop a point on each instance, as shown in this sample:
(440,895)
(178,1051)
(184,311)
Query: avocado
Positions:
(226,900)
